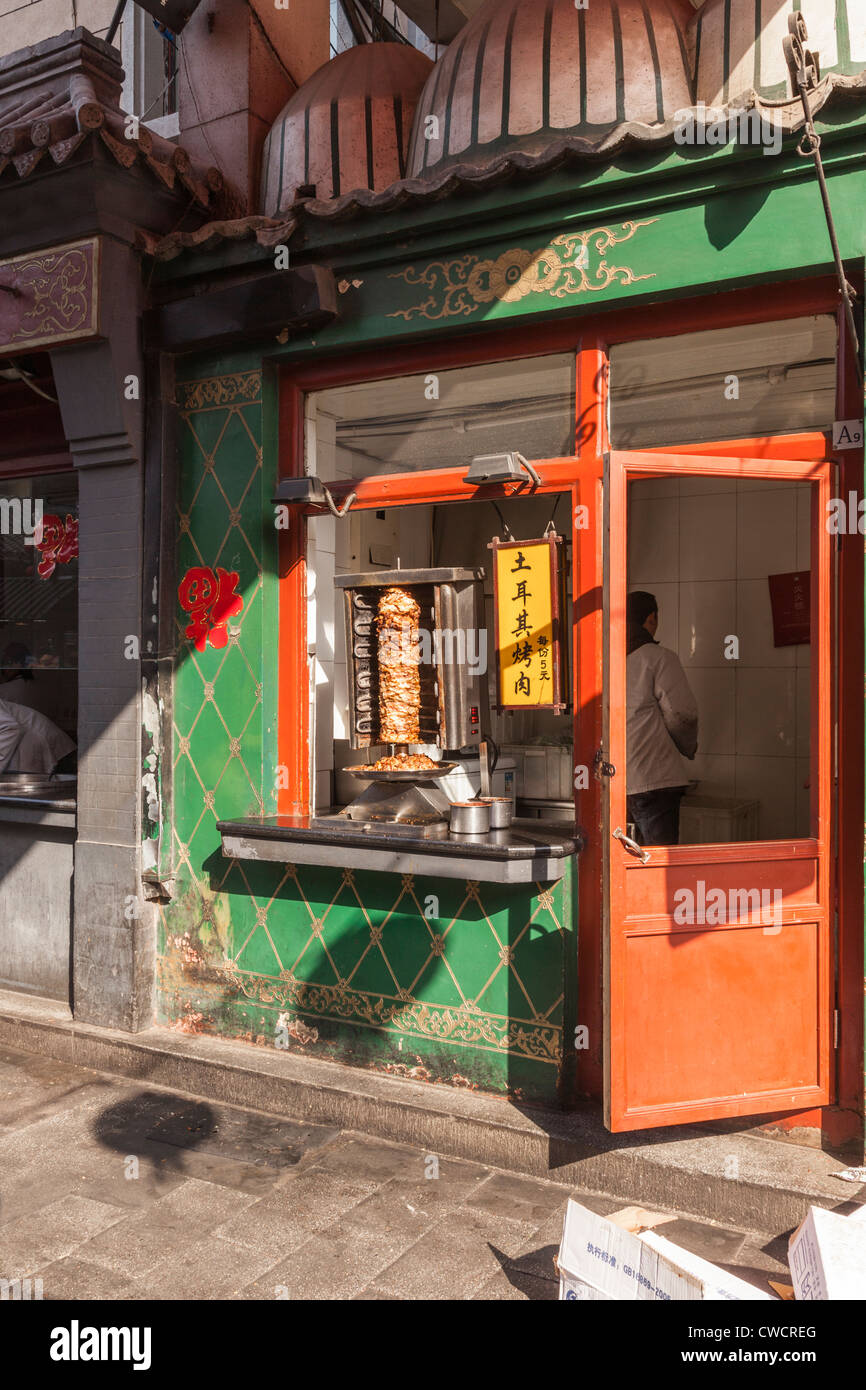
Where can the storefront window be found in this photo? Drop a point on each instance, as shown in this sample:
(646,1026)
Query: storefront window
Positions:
(727,383)
(443,419)
(38,624)
(533,747)
(720,569)
(411,424)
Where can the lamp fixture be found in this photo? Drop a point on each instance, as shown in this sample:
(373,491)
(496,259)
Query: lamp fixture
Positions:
(501,468)
(310,492)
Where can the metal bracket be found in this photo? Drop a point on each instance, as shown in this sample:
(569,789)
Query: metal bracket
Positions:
(601,768)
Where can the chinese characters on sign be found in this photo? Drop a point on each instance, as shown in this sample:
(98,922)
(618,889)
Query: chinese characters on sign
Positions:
(210,599)
(57,543)
(526,601)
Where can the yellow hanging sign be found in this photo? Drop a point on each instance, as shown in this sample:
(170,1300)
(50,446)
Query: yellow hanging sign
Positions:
(526,604)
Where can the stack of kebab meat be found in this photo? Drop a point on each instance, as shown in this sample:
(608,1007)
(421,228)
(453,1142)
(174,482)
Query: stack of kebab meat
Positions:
(397,619)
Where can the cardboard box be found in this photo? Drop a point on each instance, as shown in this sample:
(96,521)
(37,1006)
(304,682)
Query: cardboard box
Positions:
(827,1257)
(599,1260)
(715,1283)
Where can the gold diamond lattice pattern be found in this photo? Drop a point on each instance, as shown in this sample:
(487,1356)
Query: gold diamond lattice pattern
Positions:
(379,965)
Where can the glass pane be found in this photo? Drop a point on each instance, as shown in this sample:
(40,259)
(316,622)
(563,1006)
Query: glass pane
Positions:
(535,746)
(443,419)
(728,383)
(38,616)
(726,562)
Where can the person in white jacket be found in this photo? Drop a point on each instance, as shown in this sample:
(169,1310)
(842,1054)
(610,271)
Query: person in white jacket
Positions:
(661,727)
(29,742)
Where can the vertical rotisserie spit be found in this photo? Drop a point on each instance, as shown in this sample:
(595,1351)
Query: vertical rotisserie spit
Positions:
(397,617)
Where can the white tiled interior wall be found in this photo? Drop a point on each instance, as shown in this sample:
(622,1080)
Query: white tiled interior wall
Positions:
(359,542)
(704,547)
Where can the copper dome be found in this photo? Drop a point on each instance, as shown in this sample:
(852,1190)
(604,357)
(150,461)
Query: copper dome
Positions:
(523,74)
(346,128)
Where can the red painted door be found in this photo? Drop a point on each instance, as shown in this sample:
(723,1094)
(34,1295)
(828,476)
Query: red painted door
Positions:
(718,974)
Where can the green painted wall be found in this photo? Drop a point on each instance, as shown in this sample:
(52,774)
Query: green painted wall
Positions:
(468,983)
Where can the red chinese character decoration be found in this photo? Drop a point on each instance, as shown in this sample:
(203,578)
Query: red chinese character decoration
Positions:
(57,541)
(209,598)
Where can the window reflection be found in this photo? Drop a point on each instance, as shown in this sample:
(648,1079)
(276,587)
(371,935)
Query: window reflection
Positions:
(38,624)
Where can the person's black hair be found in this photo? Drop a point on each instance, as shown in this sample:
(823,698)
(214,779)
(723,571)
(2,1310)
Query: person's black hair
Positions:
(16,657)
(640,605)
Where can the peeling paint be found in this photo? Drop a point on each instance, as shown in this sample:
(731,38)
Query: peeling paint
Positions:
(189,1022)
(419,1073)
(297,1029)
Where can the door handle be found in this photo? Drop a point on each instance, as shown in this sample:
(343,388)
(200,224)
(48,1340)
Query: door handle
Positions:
(631,845)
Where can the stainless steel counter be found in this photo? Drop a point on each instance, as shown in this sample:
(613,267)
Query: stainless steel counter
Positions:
(528,852)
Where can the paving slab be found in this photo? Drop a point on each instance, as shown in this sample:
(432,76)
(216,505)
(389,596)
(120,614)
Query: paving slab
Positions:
(29,1242)
(522,1198)
(515,1285)
(456,1256)
(220,1266)
(362,1159)
(331,1265)
(79,1280)
(317,1198)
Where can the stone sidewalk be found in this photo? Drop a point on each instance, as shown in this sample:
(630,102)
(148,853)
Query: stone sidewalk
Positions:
(114,1190)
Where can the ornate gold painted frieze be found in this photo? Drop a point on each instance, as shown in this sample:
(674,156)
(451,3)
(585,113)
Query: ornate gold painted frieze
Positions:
(233,389)
(49,297)
(540,1041)
(574,263)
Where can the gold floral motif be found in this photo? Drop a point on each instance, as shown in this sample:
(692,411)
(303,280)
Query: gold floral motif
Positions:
(574,263)
(58,295)
(237,387)
(404,1015)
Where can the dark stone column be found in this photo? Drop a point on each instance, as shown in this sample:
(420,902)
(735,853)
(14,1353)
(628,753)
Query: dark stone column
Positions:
(113,926)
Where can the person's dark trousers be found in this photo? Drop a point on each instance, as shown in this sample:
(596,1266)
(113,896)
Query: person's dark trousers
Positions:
(656,815)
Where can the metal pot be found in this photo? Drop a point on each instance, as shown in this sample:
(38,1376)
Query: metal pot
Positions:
(470,818)
(501,810)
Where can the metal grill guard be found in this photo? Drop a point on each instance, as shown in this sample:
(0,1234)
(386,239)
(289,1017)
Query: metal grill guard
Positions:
(450,601)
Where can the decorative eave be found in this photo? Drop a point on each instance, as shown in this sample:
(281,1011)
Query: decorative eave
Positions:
(63,95)
(268,231)
(832,93)
(568,150)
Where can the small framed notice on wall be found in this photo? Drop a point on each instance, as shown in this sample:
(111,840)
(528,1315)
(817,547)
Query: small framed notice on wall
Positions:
(527,605)
(789,599)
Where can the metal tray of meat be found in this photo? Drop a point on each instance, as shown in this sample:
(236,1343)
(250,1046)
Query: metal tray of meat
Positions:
(402,774)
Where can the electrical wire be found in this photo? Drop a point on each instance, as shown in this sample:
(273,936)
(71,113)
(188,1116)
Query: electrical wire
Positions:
(506,529)
(24,377)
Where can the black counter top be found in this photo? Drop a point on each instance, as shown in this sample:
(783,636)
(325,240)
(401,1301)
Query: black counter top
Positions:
(527,851)
(30,810)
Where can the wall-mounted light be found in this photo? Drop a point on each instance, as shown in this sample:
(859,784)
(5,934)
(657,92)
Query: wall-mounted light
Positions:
(501,468)
(309,492)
